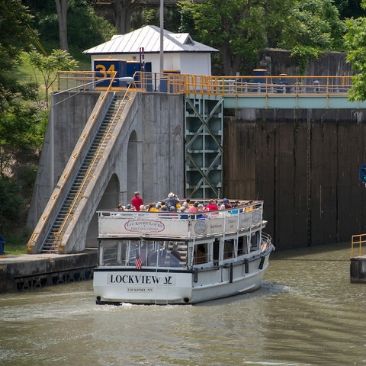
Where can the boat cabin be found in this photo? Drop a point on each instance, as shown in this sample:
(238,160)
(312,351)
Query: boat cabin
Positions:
(179,240)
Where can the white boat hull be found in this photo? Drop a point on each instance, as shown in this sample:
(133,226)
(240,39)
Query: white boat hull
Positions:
(117,285)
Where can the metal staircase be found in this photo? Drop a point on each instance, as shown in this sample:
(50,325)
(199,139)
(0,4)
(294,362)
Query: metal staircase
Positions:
(85,173)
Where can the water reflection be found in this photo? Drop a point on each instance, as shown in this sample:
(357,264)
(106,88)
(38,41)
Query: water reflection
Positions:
(306,313)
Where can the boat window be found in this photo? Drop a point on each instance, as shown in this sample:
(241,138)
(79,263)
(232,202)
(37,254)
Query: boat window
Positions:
(242,245)
(254,241)
(229,249)
(148,253)
(200,254)
(216,250)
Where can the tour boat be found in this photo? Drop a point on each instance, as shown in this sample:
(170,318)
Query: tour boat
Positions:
(179,257)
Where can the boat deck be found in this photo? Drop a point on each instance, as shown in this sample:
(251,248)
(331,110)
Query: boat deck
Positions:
(180,225)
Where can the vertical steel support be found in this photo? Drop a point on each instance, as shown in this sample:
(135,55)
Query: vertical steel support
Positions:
(204,125)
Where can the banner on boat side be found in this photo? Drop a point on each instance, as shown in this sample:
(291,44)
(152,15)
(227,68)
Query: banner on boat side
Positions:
(142,226)
(120,226)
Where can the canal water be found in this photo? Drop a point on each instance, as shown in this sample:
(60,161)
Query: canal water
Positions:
(307,313)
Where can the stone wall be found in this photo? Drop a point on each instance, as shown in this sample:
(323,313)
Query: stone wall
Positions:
(278,61)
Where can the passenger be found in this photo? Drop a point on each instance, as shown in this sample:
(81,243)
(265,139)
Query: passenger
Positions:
(227,204)
(120,207)
(163,207)
(200,208)
(194,208)
(186,205)
(152,208)
(173,212)
(183,213)
(128,207)
(172,200)
(137,201)
(212,206)
(142,208)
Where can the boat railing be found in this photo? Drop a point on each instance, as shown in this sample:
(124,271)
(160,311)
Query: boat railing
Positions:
(179,224)
(266,242)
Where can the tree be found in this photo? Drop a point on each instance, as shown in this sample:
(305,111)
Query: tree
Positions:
(241,28)
(235,27)
(14,38)
(62,7)
(49,65)
(312,27)
(20,122)
(355,41)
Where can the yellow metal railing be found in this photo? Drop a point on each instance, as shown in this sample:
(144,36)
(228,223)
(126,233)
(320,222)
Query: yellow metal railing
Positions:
(236,86)
(244,86)
(358,244)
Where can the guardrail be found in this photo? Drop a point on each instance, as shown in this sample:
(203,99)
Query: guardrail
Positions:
(234,86)
(358,244)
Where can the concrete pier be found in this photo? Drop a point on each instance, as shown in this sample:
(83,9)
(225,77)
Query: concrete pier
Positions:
(32,271)
(358,269)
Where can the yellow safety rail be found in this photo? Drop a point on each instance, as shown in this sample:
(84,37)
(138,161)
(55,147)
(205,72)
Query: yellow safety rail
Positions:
(242,86)
(236,86)
(358,242)
(67,171)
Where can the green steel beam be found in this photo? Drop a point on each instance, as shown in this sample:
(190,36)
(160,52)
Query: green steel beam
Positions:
(292,102)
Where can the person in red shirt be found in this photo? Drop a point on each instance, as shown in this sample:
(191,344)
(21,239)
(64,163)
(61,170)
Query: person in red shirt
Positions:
(212,206)
(136,201)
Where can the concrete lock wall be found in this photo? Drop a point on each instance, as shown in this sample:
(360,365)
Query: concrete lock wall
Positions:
(304,165)
(149,149)
(152,130)
(71,114)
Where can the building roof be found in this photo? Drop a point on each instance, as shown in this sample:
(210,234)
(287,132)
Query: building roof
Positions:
(149,38)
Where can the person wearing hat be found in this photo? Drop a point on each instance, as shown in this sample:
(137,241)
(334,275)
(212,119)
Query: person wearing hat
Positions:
(172,200)
(226,202)
(136,201)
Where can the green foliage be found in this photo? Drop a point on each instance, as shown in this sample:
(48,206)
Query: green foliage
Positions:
(303,54)
(240,29)
(85,28)
(312,26)
(58,60)
(355,41)
(313,23)
(15,37)
(11,208)
(235,27)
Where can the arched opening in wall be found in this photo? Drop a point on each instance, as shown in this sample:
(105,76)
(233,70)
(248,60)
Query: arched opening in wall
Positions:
(109,201)
(132,165)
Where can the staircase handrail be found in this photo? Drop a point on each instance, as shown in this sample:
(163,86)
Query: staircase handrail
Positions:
(44,224)
(88,175)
